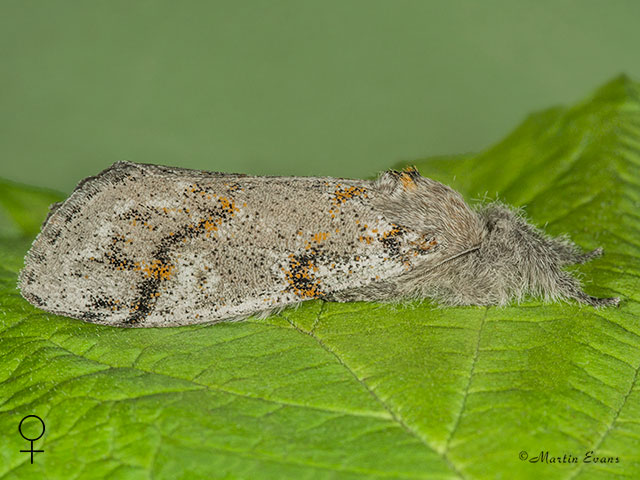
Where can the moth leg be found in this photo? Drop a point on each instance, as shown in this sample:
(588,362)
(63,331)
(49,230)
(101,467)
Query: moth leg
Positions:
(569,287)
(352,295)
(340,297)
(570,254)
(372,293)
(587,257)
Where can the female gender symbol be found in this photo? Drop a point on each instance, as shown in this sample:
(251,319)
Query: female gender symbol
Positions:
(31,439)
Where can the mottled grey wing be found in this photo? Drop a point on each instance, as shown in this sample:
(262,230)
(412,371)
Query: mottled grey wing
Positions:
(144,245)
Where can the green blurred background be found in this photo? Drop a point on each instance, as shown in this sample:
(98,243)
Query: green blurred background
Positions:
(341,88)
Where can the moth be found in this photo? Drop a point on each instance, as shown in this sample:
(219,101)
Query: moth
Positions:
(151,246)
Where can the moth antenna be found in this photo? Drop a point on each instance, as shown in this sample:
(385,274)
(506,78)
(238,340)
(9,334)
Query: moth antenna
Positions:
(453,257)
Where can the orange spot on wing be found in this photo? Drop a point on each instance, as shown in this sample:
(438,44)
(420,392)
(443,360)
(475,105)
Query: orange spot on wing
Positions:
(341,195)
(407,182)
(158,270)
(320,237)
(228,205)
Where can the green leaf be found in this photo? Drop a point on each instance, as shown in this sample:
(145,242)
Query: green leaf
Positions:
(23,208)
(409,391)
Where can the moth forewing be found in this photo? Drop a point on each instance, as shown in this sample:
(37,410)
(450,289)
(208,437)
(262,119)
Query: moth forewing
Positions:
(146,245)
(143,245)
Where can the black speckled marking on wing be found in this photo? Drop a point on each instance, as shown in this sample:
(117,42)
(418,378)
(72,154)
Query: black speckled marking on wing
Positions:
(391,240)
(300,275)
(148,290)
